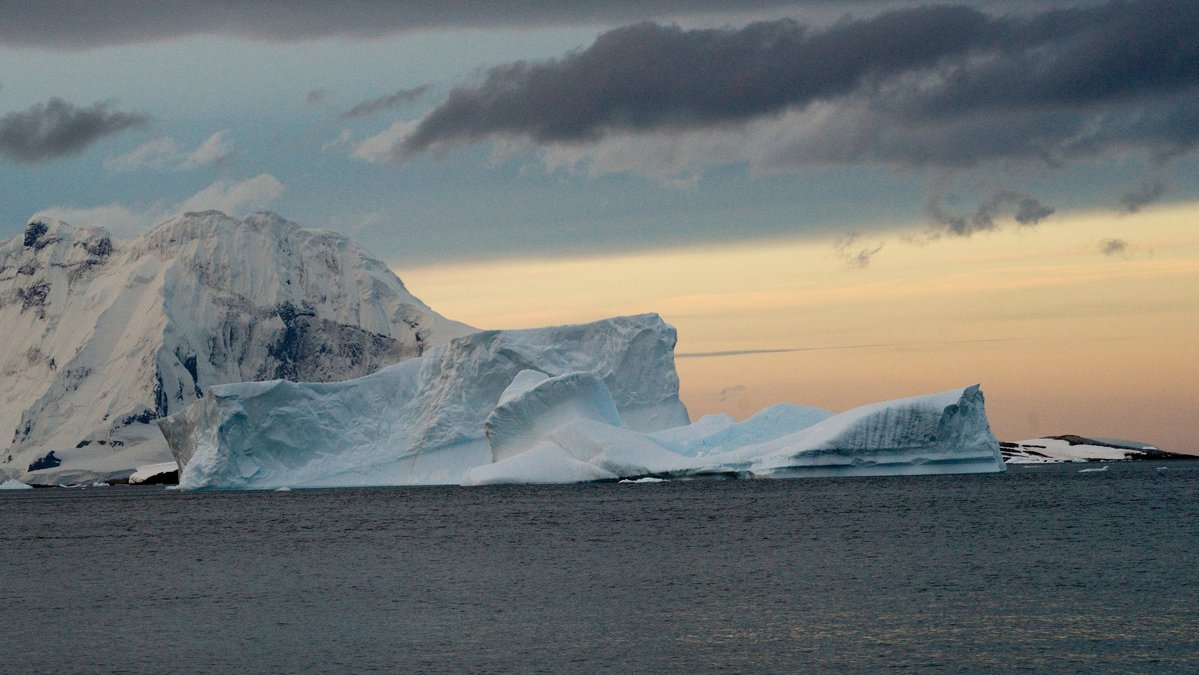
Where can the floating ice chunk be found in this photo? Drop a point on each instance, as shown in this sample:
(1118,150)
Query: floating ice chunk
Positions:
(12,484)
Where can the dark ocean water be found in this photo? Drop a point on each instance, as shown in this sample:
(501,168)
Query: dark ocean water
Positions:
(1040,569)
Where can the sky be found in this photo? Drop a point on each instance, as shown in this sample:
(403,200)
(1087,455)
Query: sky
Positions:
(835,202)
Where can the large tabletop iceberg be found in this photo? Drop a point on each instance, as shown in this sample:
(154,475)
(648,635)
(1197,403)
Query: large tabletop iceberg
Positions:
(597,401)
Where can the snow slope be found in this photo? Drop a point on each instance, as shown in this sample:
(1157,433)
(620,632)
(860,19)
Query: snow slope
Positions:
(104,336)
(597,401)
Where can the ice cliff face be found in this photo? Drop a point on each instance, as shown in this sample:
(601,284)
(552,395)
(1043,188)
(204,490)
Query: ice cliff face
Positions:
(422,421)
(102,337)
(569,403)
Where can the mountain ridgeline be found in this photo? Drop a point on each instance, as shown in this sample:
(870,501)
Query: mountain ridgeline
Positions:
(104,336)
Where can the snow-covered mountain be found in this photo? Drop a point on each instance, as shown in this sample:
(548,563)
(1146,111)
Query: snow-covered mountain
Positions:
(101,336)
(1071,448)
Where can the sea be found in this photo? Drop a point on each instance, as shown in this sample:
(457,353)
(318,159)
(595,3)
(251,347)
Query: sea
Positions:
(1040,569)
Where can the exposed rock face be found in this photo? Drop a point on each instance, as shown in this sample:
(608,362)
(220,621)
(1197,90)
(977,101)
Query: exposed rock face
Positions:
(1072,448)
(102,337)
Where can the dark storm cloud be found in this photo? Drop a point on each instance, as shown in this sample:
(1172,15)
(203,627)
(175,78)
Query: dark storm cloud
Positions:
(942,85)
(647,76)
(1142,195)
(82,24)
(377,105)
(57,128)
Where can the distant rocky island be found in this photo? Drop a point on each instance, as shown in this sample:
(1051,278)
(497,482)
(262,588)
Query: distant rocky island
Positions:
(1072,448)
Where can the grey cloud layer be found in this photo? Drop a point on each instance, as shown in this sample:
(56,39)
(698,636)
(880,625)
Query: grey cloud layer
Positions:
(944,85)
(58,128)
(81,24)
(1142,195)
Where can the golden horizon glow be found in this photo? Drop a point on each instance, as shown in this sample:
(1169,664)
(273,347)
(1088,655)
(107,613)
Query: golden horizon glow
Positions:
(1063,338)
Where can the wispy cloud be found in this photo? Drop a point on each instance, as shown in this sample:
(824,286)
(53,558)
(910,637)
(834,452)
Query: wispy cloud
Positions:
(1113,247)
(787,350)
(316,96)
(382,147)
(377,105)
(164,152)
(232,197)
(855,256)
(1021,208)
(784,350)
(732,393)
(235,197)
(57,128)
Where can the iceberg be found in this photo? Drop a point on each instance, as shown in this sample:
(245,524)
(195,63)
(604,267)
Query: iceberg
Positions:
(12,484)
(421,421)
(946,432)
(592,402)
